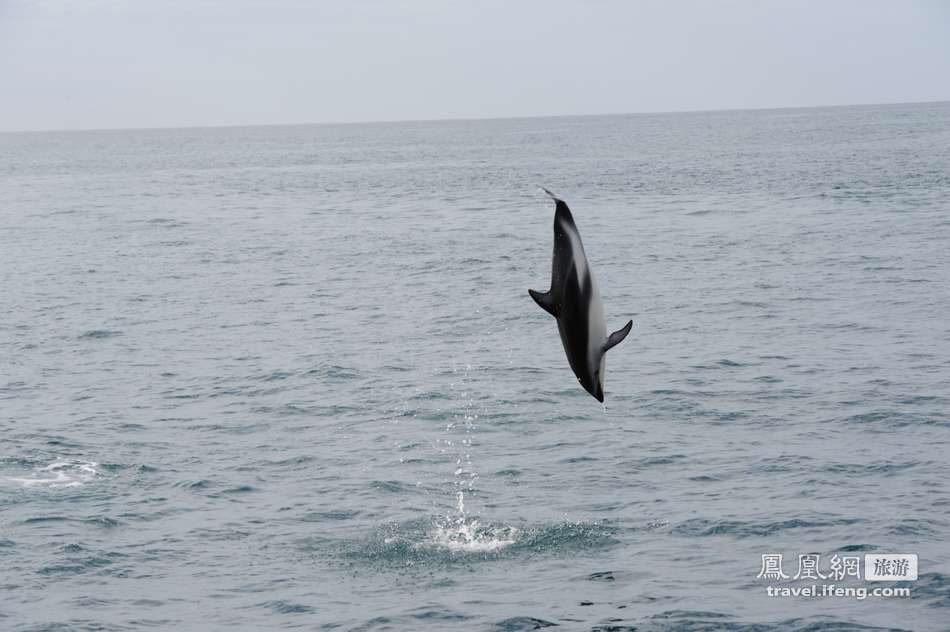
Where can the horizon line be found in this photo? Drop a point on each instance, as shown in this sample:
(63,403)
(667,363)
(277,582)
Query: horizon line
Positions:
(450,119)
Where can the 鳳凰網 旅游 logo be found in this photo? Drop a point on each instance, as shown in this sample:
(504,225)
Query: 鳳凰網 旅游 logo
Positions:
(890,567)
(813,575)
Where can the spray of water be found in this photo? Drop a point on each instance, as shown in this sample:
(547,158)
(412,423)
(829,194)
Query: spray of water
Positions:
(458,531)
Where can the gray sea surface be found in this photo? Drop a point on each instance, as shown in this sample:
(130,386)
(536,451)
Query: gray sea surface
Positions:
(290,377)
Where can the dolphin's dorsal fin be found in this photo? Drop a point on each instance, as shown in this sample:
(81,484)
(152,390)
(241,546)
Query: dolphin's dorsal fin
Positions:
(617,337)
(546,301)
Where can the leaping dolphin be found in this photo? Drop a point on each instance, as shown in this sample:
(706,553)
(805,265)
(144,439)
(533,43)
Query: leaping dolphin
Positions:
(575,302)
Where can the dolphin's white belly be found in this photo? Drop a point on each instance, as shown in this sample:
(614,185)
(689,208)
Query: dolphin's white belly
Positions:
(596,325)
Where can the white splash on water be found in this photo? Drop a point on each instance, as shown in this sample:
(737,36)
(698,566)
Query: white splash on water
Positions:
(60,473)
(461,533)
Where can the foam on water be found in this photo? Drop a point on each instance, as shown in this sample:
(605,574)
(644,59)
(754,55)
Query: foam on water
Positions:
(60,473)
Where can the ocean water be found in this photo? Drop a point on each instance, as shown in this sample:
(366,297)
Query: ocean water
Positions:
(290,377)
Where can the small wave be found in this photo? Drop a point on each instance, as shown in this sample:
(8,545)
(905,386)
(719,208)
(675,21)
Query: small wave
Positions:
(651,461)
(276,375)
(868,469)
(411,620)
(75,565)
(240,489)
(518,624)
(897,419)
(393,487)
(167,222)
(60,473)
(199,484)
(703,527)
(913,527)
(579,459)
(321,516)
(96,521)
(724,363)
(286,607)
(333,372)
(99,333)
(932,587)
(854,548)
(706,621)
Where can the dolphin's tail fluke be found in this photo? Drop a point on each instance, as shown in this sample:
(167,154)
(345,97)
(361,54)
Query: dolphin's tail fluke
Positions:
(551,195)
(560,206)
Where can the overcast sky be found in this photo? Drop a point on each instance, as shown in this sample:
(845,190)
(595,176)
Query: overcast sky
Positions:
(117,64)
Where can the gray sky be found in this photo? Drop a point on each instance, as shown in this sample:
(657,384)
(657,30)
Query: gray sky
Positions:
(116,64)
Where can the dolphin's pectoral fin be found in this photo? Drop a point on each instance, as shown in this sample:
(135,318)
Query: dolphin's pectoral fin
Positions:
(617,337)
(546,301)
